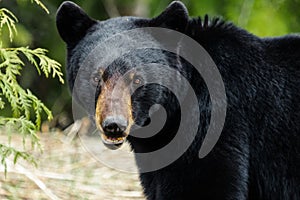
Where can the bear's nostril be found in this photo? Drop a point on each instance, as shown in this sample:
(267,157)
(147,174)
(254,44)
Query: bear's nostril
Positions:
(110,127)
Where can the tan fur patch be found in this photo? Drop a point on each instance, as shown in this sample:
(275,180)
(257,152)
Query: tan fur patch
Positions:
(114,100)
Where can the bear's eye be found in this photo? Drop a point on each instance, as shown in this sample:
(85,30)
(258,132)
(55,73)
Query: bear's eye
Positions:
(95,80)
(137,80)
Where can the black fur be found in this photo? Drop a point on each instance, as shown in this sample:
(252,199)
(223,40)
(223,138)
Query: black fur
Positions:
(72,23)
(258,153)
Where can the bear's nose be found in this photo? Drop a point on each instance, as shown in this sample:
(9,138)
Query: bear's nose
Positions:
(114,125)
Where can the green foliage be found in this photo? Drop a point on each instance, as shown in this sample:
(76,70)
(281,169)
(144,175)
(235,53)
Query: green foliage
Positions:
(26,108)
(260,17)
(9,19)
(38,2)
(6,151)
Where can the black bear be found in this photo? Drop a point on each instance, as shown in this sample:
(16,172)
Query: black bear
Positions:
(257,155)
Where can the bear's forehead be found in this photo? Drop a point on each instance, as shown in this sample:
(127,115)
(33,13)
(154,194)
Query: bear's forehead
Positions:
(107,28)
(105,31)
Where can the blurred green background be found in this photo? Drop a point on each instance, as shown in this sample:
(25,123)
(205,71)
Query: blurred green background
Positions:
(37,29)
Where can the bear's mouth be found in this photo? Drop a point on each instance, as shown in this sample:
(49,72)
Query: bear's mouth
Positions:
(113,141)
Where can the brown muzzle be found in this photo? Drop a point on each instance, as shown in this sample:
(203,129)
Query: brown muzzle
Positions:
(113,112)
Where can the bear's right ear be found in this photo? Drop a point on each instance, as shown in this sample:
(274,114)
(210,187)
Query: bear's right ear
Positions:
(72,22)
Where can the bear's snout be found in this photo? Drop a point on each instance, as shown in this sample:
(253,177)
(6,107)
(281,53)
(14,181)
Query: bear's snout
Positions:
(114,112)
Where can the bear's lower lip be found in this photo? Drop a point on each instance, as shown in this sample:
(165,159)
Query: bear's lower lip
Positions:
(112,142)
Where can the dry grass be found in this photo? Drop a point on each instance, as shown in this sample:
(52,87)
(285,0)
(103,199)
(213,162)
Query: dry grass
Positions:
(67,171)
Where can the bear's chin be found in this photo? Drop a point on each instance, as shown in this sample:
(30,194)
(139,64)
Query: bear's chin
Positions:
(112,143)
(112,146)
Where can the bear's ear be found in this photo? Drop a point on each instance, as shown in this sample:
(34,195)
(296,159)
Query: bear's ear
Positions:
(175,17)
(72,22)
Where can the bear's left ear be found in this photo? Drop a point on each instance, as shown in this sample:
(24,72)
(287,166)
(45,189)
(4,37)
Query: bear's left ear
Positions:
(175,17)
(72,22)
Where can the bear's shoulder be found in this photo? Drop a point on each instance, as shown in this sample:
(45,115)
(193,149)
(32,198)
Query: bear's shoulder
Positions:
(284,51)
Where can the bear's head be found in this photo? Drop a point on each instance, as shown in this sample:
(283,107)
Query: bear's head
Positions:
(117,70)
